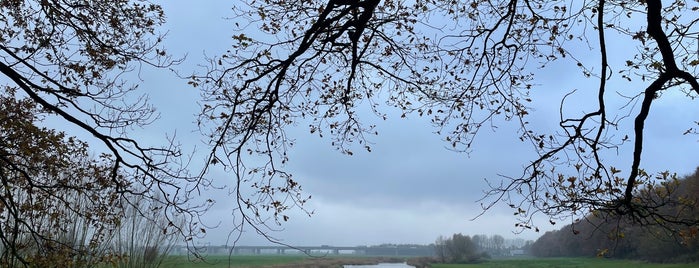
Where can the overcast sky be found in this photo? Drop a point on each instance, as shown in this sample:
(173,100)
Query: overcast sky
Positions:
(410,188)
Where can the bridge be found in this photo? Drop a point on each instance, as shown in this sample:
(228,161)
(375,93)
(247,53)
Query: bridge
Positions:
(382,250)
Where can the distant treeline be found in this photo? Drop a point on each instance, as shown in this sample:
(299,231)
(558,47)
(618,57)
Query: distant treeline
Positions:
(604,235)
(461,248)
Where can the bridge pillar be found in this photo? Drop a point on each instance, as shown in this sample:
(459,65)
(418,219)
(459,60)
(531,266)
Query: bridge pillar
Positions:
(336,251)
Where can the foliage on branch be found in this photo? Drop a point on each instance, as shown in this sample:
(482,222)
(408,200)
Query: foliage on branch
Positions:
(51,184)
(70,61)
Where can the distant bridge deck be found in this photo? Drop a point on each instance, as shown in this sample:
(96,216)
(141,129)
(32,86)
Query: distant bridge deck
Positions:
(389,250)
(303,249)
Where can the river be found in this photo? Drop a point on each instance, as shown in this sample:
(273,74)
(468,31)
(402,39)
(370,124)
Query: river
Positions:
(381,265)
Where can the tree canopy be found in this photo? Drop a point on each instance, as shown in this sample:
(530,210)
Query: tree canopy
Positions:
(67,60)
(464,65)
(595,235)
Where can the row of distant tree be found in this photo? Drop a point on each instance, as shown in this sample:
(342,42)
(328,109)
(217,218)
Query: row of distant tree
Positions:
(461,248)
(604,234)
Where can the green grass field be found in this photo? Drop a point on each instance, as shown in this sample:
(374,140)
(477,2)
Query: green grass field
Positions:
(564,263)
(235,261)
(302,261)
(271,260)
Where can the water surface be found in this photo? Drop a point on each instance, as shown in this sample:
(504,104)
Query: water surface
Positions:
(382,265)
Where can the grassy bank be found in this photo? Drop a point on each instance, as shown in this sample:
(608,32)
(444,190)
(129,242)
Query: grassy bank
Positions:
(276,261)
(234,261)
(564,263)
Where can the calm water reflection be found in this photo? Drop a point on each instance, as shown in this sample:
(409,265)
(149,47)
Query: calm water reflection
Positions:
(381,265)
